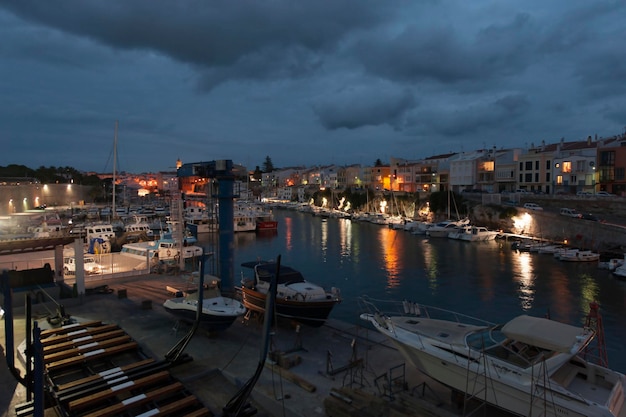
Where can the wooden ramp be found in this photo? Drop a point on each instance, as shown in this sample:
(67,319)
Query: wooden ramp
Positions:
(97,369)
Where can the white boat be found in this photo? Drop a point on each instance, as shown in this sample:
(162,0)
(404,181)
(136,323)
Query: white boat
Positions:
(244,221)
(139,227)
(444,228)
(529,366)
(473,234)
(620,271)
(580,256)
(549,249)
(199,221)
(45,230)
(166,250)
(218,312)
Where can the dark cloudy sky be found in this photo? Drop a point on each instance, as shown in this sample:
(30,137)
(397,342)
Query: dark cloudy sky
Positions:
(305,82)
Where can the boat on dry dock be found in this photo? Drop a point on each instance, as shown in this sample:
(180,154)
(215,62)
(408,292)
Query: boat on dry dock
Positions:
(218,312)
(296,298)
(528,366)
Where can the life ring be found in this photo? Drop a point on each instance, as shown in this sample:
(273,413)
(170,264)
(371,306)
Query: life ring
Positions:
(169,252)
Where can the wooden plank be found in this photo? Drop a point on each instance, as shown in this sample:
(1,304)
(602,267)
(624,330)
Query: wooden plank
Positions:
(80,340)
(122,388)
(69,328)
(202,412)
(290,376)
(137,400)
(175,406)
(103,375)
(77,333)
(88,347)
(53,366)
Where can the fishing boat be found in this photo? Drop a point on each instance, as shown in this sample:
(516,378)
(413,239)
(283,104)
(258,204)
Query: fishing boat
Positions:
(296,298)
(528,366)
(218,312)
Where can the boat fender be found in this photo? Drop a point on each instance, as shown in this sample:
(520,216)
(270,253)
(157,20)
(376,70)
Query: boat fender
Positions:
(169,252)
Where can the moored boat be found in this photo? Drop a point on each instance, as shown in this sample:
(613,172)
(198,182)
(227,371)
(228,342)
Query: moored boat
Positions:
(296,298)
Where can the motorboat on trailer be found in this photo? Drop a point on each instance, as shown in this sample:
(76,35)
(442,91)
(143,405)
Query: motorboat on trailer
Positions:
(528,366)
(296,298)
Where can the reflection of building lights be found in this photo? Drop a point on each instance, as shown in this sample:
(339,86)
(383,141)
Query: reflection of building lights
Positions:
(69,187)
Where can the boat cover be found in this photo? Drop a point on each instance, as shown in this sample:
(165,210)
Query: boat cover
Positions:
(543,333)
(265,271)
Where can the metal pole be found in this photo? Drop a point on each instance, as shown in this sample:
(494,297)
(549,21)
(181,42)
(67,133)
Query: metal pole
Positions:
(226,224)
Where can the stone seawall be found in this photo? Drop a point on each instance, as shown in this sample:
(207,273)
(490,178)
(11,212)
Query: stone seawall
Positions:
(550,225)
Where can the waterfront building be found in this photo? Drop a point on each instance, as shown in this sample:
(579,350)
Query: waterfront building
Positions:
(611,167)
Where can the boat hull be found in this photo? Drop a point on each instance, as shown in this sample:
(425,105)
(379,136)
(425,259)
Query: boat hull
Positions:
(263,225)
(212,322)
(311,313)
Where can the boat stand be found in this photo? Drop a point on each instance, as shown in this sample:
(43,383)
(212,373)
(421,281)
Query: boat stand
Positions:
(353,369)
(392,382)
(297,345)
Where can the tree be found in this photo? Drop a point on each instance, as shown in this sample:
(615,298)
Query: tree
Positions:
(267,165)
(378,163)
(257,175)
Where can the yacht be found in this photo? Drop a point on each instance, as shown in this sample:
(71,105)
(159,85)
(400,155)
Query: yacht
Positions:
(528,366)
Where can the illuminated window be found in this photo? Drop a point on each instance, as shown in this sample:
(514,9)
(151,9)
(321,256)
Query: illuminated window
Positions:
(567,166)
(559,179)
(489,166)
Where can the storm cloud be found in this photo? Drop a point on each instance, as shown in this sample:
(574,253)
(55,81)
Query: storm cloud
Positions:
(246,79)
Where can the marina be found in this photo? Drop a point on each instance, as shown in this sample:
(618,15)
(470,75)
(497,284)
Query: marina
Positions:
(488,279)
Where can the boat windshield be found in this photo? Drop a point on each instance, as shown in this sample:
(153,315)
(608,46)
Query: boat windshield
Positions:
(485,338)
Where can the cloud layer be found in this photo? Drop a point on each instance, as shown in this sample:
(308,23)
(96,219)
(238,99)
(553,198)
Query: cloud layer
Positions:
(306,82)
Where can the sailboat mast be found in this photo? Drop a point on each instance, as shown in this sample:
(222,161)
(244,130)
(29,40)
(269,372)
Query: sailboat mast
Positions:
(114,166)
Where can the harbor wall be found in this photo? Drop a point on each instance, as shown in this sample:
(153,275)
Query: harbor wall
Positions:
(20,198)
(549,225)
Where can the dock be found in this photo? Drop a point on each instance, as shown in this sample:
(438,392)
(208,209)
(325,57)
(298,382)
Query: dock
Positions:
(340,369)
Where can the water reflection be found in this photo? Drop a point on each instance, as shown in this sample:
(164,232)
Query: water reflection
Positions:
(324,239)
(345,238)
(588,291)
(523,274)
(390,251)
(431,264)
(288,233)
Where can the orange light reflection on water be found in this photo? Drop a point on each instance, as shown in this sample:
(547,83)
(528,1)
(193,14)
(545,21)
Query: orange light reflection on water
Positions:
(288,233)
(391,258)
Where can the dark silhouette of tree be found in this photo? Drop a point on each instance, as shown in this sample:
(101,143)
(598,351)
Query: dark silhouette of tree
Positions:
(268,166)
(258,174)
(378,163)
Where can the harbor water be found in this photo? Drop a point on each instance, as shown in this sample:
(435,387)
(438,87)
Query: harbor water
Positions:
(487,280)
